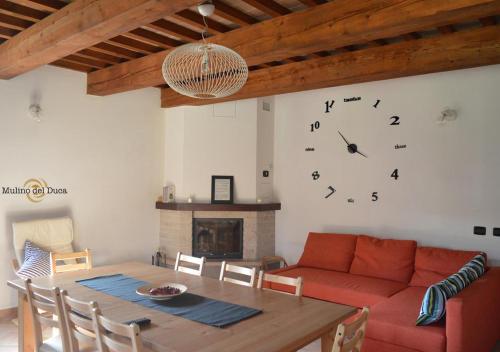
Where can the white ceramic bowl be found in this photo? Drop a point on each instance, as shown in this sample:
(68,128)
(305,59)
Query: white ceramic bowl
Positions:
(144,291)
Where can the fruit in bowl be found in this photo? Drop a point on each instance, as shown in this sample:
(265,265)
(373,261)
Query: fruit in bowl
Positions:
(164,291)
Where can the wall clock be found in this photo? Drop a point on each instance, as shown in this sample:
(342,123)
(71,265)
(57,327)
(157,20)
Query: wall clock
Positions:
(354,145)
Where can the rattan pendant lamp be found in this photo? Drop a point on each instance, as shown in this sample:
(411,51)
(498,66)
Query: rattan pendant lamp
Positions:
(205,70)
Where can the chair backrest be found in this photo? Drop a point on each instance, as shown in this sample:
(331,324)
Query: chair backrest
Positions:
(59,261)
(123,338)
(80,322)
(283,280)
(41,301)
(225,268)
(54,235)
(350,337)
(199,262)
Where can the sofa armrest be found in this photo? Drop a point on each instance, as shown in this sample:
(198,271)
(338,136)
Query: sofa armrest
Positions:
(473,316)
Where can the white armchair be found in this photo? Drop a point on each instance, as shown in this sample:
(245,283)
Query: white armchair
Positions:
(53,235)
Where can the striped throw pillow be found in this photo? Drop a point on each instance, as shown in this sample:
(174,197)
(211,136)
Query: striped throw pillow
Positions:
(36,262)
(434,303)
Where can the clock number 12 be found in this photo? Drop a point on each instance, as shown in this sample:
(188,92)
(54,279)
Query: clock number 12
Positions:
(315,126)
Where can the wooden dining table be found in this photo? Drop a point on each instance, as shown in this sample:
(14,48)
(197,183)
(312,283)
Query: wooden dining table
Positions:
(287,323)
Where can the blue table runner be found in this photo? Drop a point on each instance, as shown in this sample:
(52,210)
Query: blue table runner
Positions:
(189,306)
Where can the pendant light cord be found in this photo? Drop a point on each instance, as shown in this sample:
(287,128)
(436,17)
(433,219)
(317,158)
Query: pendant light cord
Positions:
(205,30)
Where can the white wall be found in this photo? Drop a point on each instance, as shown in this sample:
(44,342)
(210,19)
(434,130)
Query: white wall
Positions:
(211,140)
(107,152)
(449,174)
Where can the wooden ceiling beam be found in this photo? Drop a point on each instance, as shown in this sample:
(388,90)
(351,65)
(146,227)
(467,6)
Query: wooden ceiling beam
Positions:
(196,20)
(152,38)
(269,7)
(94,54)
(77,26)
(174,30)
(135,45)
(313,2)
(488,21)
(14,22)
(86,61)
(459,50)
(232,14)
(325,27)
(21,10)
(72,66)
(43,5)
(113,49)
(7,33)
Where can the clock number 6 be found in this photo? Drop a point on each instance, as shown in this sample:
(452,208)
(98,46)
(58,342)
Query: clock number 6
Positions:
(315,126)
(395,121)
(374,196)
(395,174)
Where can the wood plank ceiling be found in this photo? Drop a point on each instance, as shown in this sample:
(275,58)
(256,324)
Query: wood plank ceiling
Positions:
(278,38)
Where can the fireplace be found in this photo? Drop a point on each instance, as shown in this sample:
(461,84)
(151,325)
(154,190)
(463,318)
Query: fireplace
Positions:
(218,238)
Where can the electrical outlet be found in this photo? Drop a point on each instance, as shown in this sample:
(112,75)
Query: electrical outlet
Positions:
(479,230)
(265,173)
(496,231)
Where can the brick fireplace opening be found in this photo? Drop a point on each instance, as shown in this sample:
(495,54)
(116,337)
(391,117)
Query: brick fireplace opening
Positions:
(218,238)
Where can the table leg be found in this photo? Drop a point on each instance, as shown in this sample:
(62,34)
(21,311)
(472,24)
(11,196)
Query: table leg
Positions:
(25,325)
(327,342)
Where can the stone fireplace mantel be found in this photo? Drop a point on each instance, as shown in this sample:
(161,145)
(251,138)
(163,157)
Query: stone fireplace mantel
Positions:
(176,226)
(252,207)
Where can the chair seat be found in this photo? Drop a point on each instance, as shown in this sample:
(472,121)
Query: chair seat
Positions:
(54,344)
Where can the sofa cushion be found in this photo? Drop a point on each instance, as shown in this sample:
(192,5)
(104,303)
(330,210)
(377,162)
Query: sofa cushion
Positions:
(384,259)
(343,288)
(435,264)
(328,251)
(393,321)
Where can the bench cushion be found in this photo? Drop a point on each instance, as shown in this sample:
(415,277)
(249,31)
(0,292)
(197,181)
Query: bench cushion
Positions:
(393,321)
(384,258)
(343,288)
(329,251)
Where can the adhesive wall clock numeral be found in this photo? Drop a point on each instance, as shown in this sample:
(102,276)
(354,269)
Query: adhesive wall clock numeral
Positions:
(374,196)
(395,174)
(329,105)
(315,175)
(315,126)
(395,120)
(376,104)
(332,191)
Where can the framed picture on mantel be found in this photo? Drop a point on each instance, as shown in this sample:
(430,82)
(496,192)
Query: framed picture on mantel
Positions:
(222,189)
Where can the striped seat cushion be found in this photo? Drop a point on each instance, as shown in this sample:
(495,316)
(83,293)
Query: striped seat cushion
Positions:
(36,262)
(434,303)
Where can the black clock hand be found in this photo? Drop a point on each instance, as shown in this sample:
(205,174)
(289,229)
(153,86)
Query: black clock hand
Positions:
(357,151)
(345,140)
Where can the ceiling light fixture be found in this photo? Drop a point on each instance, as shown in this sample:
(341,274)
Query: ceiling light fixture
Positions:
(205,70)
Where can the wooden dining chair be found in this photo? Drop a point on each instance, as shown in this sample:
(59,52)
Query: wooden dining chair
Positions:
(199,262)
(241,270)
(350,337)
(283,280)
(80,323)
(117,337)
(40,302)
(59,261)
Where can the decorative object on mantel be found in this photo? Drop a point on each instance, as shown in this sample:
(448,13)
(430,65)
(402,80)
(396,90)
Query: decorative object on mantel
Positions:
(190,199)
(222,190)
(169,194)
(205,70)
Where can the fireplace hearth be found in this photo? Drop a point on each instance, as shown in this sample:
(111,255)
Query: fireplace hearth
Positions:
(218,238)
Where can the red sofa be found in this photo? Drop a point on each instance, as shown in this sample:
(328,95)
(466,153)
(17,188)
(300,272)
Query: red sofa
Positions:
(391,277)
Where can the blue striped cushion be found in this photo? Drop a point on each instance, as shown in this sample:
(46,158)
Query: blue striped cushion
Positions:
(36,262)
(434,303)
